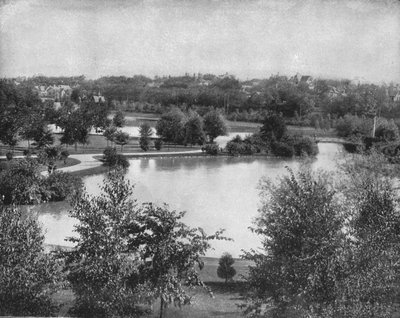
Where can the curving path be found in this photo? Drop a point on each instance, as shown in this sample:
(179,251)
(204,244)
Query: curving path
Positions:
(87,161)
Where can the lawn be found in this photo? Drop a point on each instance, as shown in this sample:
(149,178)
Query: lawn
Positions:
(224,302)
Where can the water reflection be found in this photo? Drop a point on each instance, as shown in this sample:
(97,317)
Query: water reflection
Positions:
(216,192)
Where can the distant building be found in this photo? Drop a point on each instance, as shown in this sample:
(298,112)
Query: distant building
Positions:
(98,99)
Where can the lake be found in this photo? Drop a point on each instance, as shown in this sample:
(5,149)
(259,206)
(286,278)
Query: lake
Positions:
(216,192)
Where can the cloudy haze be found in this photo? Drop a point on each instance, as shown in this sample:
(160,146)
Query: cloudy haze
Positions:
(246,38)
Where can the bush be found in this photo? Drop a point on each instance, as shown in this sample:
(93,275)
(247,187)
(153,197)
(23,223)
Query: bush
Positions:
(211,149)
(158,144)
(27,152)
(64,155)
(60,185)
(305,146)
(282,149)
(112,159)
(9,155)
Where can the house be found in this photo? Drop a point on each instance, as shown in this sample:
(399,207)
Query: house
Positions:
(98,98)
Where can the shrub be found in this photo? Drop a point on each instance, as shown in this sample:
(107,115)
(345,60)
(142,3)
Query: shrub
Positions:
(60,185)
(282,149)
(27,152)
(211,149)
(9,155)
(112,159)
(158,144)
(64,155)
(306,146)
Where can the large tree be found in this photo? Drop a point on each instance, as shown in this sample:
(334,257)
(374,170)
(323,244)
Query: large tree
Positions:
(171,126)
(225,269)
(194,130)
(99,267)
(300,226)
(214,125)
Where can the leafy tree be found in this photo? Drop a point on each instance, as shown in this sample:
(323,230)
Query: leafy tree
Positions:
(119,119)
(28,276)
(99,267)
(109,133)
(171,252)
(158,144)
(121,138)
(113,159)
(214,125)
(21,183)
(75,127)
(171,125)
(225,269)
(145,132)
(301,226)
(273,127)
(194,130)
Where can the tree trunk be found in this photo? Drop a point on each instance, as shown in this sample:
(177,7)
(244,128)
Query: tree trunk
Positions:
(161,307)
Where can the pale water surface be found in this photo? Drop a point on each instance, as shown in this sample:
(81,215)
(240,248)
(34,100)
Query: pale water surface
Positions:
(216,192)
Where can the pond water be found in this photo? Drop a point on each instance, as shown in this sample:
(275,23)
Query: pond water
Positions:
(216,192)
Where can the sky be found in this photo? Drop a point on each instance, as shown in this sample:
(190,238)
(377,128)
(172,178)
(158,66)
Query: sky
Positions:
(246,38)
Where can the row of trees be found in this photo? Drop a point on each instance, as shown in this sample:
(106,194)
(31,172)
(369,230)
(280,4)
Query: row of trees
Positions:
(180,128)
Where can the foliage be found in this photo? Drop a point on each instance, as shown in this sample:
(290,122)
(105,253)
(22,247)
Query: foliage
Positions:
(145,132)
(9,155)
(211,149)
(112,159)
(171,126)
(121,138)
(61,185)
(194,130)
(171,252)
(353,125)
(99,267)
(273,127)
(119,119)
(28,276)
(237,146)
(300,224)
(76,126)
(305,146)
(225,269)
(282,149)
(126,254)
(214,125)
(387,131)
(109,133)
(64,154)
(158,143)
(21,183)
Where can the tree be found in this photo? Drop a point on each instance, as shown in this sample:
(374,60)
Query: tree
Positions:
(194,130)
(125,253)
(171,252)
(300,224)
(119,119)
(145,132)
(28,276)
(121,138)
(100,265)
(109,133)
(225,269)
(273,127)
(214,125)
(171,125)
(75,127)
(21,183)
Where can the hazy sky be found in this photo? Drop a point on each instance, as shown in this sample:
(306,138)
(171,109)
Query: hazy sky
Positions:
(247,38)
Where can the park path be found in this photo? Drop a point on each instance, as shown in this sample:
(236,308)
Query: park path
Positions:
(88,161)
